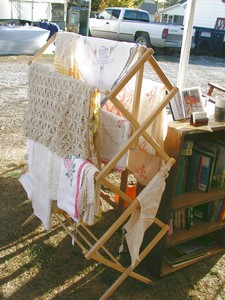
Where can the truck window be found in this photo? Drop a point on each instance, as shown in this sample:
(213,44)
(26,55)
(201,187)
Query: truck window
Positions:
(109,14)
(115,14)
(133,15)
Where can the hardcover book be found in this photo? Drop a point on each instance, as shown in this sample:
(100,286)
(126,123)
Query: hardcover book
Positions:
(206,164)
(204,211)
(180,176)
(218,209)
(192,171)
(220,170)
(214,150)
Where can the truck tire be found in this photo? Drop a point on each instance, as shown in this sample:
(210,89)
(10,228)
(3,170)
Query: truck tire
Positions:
(143,39)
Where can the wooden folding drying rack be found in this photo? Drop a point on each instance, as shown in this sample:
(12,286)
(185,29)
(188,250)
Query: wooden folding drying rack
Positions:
(92,245)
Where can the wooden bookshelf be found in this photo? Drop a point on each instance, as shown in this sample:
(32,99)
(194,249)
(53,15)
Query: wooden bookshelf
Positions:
(183,235)
(179,132)
(194,198)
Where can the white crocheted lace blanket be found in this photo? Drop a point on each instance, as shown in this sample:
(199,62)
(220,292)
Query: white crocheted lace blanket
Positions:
(60,113)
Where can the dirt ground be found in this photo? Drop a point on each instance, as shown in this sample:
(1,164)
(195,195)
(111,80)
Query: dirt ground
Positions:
(36,264)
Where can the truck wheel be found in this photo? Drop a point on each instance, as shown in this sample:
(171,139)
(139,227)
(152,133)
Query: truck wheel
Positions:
(143,40)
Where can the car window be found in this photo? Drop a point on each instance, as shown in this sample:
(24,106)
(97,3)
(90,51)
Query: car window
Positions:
(133,15)
(115,14)
(130,15)
(109,14)
(105,14)
(144,17)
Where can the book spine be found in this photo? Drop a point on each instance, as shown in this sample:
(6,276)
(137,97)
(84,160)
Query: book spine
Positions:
(189,217)
(192,172)
(187,144)
(222,211)
(204,173)
(180,176)
(186,152)
(219,207)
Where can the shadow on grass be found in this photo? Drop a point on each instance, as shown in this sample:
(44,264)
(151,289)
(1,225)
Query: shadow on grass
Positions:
(44,265)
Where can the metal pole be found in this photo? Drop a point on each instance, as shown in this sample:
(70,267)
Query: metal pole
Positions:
(89,13)
(186,44)
(65,14)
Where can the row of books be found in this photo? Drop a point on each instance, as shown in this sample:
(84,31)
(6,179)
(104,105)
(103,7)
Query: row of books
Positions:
(189,251)
(202,165)
(208,212)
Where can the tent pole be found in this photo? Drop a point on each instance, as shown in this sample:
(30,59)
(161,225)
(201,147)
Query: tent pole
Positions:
(186,44)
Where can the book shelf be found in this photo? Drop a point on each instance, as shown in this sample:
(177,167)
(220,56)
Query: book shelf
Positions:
(178,133)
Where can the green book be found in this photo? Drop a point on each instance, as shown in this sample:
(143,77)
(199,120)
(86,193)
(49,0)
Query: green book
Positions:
(205,172)
(180,176)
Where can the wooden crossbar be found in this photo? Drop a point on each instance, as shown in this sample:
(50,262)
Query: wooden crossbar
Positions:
(130,269)
(140,131)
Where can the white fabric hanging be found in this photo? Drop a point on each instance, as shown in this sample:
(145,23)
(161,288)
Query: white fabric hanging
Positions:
(141,219)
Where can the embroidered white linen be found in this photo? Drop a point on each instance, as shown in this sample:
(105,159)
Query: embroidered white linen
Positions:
(115,132)
(142,161)
(96,61)
(141,219)
(41,183)
(78,193)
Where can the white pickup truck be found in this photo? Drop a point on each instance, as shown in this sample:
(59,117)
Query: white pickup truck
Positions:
(133,25)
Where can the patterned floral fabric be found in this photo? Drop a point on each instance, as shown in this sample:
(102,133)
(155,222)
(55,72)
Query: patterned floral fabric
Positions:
(78,193)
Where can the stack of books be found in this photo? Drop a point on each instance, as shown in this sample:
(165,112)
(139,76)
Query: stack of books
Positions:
(201,166)
(184,253)
(207,212)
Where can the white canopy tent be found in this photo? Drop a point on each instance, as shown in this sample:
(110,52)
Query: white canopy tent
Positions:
(30,10)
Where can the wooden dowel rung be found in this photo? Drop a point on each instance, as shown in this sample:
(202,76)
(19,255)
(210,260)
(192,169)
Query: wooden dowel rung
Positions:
(42,50)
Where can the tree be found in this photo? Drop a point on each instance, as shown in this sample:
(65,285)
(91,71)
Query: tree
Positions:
(168,3)
(109,3)
(95,5)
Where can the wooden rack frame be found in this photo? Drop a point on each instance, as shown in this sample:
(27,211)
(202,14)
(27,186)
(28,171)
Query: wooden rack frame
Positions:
(91,249)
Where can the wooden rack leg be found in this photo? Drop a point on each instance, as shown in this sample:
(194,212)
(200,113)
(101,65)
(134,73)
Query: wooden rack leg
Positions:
(28,220)
(128,271)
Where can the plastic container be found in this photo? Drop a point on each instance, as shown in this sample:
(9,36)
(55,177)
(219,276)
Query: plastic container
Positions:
(219,114)
(130,191)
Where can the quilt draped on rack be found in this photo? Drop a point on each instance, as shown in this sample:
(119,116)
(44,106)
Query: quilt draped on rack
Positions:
(60,113)
(58,123)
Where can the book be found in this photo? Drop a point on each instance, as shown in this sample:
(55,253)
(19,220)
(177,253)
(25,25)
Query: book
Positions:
(187,144)
(189,217)
(181,219)
(218,210)
(192,171)
(184,252)
(222,212)
(204,175)
(180,176)
(214,150)
(215,206)
(206,164)
(188,260)
(175,213)
(186,151)
(204,211)
(189,247)
(220,170)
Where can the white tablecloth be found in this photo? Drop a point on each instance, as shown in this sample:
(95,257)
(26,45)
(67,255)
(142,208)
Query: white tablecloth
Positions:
(21,39)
